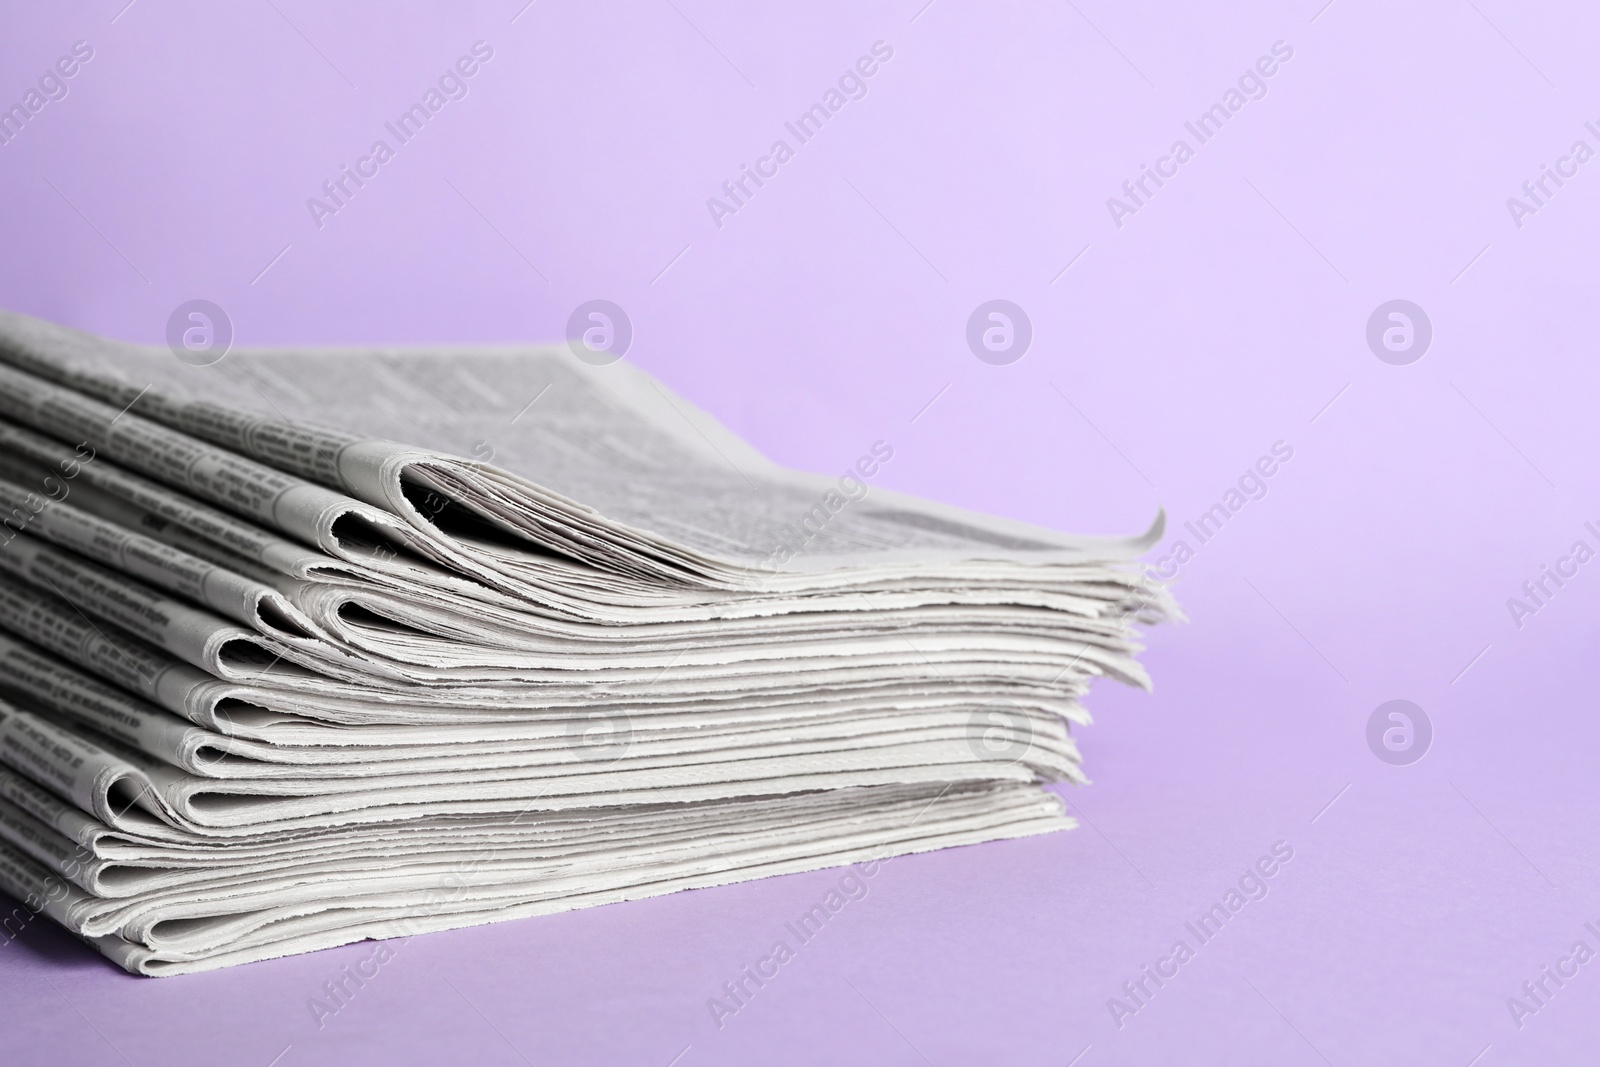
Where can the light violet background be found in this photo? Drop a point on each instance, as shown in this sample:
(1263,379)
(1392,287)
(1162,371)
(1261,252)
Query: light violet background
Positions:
(1228,314)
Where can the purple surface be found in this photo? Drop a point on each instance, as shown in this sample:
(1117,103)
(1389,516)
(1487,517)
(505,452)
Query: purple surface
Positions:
(1228,313)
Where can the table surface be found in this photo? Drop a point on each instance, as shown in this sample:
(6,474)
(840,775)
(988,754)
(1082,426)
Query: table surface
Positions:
(1178,335)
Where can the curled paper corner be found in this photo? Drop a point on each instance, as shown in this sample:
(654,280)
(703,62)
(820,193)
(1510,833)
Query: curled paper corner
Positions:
(1158,528)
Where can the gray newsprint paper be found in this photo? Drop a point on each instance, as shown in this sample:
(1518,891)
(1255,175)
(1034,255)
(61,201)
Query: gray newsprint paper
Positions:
(311,646)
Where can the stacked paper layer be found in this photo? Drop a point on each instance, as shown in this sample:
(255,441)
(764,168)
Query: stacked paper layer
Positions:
(272,686)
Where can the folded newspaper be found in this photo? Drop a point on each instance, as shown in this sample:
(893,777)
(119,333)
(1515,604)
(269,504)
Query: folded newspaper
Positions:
(275,681)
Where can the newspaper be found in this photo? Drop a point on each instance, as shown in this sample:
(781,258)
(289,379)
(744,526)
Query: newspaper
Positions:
(281,668)
(666,491)
(490,883)
(58,472)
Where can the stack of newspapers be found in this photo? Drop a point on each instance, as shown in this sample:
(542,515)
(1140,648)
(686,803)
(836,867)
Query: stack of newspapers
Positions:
(273,682)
